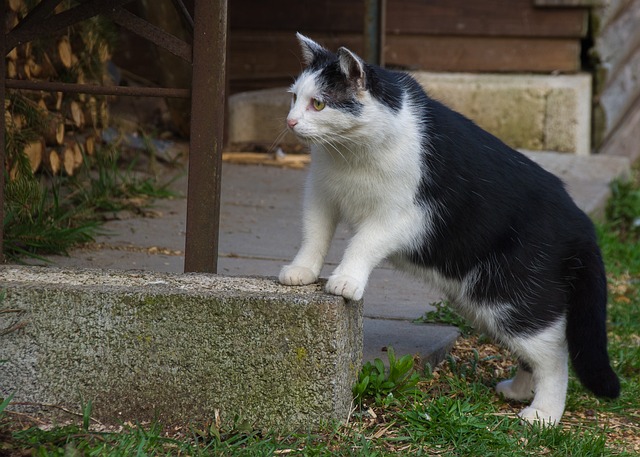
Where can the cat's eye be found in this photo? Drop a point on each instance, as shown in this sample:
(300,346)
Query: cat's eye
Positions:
(318,105)
(295,97)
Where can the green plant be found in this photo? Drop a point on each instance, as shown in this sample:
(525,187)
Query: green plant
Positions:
(38,222)
(4,404)
(86,414)
(374,381)
(623,209)
(112,187)
(444,314)
(50,215)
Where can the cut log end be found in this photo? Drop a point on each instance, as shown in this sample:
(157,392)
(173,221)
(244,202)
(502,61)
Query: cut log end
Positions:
(34,151)
(54,133)
(52,162)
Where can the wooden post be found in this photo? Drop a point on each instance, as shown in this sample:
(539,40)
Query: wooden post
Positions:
(374,31)
(3,76)
(207,127)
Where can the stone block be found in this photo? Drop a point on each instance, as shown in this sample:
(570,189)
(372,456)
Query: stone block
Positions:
(260,117)
(535,112)
(144,346)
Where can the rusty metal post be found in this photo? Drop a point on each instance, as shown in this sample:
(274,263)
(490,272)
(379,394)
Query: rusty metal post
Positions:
(3,77)
(374,31)
(207,127)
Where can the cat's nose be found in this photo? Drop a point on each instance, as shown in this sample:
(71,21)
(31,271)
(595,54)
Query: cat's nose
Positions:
(292,123)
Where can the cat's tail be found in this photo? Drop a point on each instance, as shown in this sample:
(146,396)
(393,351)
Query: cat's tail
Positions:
(586,325)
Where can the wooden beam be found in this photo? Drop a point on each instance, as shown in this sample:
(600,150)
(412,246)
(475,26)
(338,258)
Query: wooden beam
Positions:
(3,75)
(207,127)
(150,32)
(484,54)
(54,24)
(275,55)
(514,18)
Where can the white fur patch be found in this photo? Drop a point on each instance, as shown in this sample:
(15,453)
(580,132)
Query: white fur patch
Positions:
(365,170)
(547,354)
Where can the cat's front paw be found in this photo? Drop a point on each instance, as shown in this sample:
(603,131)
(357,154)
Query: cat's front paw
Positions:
(292,275)
(346,286)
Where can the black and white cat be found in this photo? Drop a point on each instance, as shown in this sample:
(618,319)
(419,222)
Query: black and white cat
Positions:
(424,187)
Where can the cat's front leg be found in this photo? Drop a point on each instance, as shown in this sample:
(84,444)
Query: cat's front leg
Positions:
(369,246)
(319,225)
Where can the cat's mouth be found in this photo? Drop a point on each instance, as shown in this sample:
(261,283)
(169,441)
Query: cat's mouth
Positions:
(303,136)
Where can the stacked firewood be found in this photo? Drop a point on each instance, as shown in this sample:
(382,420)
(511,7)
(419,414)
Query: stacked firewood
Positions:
(56,130)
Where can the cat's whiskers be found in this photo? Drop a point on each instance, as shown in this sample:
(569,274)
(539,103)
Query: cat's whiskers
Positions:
(346,143)
(276,141)
(326,140)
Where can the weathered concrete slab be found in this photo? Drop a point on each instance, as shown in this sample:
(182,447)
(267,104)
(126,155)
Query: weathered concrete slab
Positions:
(407,337)
(147,346)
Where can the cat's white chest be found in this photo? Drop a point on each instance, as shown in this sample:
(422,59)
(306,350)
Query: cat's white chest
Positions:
(359,194)
(368,192)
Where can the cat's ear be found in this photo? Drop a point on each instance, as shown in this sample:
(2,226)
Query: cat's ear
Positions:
(310,49)
(352,66)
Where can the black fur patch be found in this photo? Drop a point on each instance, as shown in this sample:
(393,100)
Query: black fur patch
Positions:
(497,222)
(337,90)
(340,92)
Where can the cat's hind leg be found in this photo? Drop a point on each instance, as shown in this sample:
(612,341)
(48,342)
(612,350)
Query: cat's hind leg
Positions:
(520,387)
(547,354)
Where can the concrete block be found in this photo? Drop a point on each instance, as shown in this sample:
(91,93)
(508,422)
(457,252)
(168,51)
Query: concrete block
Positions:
(536,112)
(146,346)
(260,117)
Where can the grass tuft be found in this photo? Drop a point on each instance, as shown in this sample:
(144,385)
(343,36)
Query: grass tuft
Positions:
(380,384)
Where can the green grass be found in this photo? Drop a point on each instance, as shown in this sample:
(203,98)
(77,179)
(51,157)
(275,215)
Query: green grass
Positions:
(444,314)
(449,411)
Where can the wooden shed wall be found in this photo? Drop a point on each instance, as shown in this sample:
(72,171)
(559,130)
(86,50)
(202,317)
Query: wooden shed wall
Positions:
(436,35)
(617,88)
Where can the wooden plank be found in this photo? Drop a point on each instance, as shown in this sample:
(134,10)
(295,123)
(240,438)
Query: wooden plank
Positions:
(623,139)
(275,56)
(620,91)
(566,3)
(439,17)
(616,42)
(609,11)
(486,54)
(516,18)
(307,17)
(295,161)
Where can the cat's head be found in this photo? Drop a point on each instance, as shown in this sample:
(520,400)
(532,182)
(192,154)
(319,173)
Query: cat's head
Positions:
(331,99)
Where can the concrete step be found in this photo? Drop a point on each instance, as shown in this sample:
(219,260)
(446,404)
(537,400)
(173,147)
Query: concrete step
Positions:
(145,346)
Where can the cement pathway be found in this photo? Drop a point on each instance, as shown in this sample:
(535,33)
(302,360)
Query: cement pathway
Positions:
(260,231)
